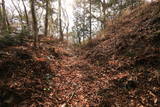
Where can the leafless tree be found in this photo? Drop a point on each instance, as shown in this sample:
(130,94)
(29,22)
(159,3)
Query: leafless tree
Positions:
(34,22)
(60,20)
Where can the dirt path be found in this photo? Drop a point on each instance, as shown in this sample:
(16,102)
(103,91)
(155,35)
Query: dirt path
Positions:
(77,82)
(45,80)
(72,80)
(41,79)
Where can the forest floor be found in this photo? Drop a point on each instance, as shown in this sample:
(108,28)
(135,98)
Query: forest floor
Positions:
(50,76)
(60,75)
(54,75)
(121,70)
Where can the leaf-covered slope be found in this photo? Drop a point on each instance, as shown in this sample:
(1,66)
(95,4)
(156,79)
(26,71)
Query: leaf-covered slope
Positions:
(131,36)
(130,55)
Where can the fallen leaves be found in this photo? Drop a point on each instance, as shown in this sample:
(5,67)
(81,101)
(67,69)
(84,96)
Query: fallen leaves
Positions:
(121,70)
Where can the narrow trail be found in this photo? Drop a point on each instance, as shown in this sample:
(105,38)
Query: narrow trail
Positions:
(77,81)
(70,80)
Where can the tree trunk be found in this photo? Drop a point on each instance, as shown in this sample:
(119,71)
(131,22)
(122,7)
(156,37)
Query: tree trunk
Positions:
(104,14)
(4,18)
(46,18)
(26,14)
(60,22)
(79,38)
(34,23)
(90,20)
(19,13)
(1,19)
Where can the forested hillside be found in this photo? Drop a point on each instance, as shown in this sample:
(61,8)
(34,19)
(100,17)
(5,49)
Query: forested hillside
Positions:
(106,55)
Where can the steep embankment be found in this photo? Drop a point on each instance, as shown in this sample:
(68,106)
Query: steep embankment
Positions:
(131,49)
(136,33)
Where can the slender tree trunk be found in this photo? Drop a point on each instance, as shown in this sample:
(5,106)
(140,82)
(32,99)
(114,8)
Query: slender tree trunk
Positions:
(46,18)
(4,18)
(67,31)
(1,19)
(34,23)
(26,14)
(0,12)
(8,24)
(90,21)
(79,38)
(53,23)
(104,13)
(19,13)
(60,22)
